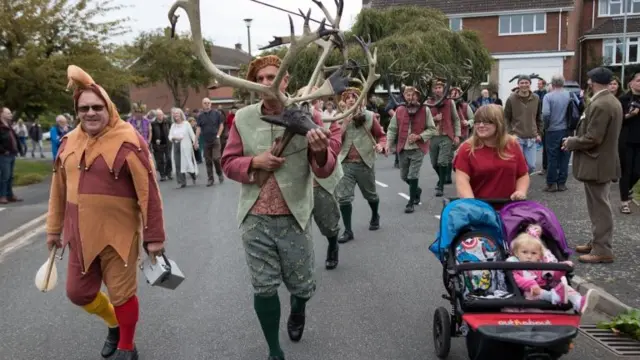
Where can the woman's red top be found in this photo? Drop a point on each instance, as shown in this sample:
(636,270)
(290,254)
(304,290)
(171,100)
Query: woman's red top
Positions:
(490,176)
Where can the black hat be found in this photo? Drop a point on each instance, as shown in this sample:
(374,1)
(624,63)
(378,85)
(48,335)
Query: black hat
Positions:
(600,75)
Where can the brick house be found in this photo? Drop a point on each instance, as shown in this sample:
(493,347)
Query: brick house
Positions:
(226,59)
(523,36)
(602,34)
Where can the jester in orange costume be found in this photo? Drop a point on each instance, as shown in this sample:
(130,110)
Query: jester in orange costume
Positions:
(105,199)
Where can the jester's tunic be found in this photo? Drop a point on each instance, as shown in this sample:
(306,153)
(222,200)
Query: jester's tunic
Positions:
(105,197)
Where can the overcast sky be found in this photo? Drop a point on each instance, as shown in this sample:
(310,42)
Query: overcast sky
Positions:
(223,19)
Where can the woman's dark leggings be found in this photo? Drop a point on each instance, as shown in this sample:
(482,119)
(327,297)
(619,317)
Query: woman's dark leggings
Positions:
(630,166)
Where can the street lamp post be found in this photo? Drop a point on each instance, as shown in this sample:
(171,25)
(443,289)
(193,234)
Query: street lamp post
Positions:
(247,22)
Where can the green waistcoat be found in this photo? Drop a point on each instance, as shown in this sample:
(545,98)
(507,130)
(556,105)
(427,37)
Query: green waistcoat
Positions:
(294,177)
(359,138)
(332,181)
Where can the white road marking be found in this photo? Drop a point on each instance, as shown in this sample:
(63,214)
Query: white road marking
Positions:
(404,195)
(22,241)
(22,229)
(437,217)
(381,184)
(2,209)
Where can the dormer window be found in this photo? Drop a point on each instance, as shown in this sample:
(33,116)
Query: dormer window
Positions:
(615,7)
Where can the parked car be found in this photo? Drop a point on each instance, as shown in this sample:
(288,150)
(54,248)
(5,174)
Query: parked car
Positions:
(572,86)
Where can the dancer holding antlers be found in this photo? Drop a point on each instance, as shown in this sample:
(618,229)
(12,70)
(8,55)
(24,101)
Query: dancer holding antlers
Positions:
(275,148)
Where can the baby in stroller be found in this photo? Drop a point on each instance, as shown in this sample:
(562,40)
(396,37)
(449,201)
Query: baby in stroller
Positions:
(550,286)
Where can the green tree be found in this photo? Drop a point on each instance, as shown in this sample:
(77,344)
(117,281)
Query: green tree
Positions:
(40,38)
(161,58)
(403,46)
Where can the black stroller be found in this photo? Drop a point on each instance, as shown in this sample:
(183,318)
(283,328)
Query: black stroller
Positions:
(487,308)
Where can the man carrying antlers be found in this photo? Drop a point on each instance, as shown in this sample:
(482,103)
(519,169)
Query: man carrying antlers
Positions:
(362,138)
(413,125)
(275,218)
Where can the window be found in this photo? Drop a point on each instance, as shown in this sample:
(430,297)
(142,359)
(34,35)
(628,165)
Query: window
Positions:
(522,24)
(615,7)
(613,50)
(455,24)
(487,80)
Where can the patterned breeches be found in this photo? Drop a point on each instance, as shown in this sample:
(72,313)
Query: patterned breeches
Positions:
(326,212)
(278,250)
(356,173)
(441,151)
(410,164)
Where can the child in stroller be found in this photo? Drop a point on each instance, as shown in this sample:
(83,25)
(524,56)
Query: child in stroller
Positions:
(551,286)
(488,309)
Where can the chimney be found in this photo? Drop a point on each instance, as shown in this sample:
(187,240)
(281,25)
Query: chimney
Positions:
(239,46)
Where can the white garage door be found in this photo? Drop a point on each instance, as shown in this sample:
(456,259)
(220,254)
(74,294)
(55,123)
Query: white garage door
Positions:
(545,67)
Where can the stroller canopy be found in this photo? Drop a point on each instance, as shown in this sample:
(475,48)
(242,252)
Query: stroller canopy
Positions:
(464,215)
(517,214)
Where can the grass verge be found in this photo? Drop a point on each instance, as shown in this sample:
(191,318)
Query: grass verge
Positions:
(29,172)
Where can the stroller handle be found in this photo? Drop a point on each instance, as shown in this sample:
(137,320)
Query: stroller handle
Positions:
(496,201)
(512,265)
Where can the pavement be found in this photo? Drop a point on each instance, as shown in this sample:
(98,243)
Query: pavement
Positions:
(377,305)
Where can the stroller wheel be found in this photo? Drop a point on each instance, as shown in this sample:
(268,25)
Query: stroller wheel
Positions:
(442,332)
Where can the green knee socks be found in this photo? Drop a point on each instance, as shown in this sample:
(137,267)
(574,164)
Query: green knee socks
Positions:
(374,208)
(268,310)
(413,188)
(345,211)
(298,304)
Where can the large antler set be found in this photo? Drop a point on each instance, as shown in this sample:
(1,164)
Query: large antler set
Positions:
(532,76)
(327,38)
(425,77)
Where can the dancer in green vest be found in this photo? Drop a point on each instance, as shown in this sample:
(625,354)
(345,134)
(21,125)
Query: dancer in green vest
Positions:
(413,126)
(275,217)
(362,138)
(443,144)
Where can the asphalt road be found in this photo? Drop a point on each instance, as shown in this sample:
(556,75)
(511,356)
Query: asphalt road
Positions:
(377,305)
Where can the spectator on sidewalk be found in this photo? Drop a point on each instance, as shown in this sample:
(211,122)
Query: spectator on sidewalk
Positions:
(9,148)
(554,116)
(35,134)
(629,143)
(210,126)
(57,132)
(523,116)
(161,145)
(596,164)
(23,133)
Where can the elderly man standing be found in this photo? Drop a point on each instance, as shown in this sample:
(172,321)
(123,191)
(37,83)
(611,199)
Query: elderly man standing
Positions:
(105,199)
(9,149)
(57,132)
(523,117)
(596,163)
(161,145)
(554,115)
(210,127)
(275,218)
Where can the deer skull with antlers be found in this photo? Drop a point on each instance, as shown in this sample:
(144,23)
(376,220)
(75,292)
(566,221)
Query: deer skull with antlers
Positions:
(328,38)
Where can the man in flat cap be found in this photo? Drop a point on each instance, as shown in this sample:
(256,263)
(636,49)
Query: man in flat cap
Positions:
(596,162)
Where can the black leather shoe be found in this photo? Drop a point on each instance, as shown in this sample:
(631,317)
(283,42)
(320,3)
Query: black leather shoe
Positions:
(332,258)
(409,208)
(374,224)
(295,326)
(345,237)
(276,358)
(126,354)
(439,192)
(111,343)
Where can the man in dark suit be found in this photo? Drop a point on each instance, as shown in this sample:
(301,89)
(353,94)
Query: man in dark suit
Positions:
(596,163)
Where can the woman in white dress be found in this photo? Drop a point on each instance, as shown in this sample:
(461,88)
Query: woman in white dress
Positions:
(184,143)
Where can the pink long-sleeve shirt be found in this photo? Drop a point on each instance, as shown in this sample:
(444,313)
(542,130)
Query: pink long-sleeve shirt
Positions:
(237,166)
(526,279)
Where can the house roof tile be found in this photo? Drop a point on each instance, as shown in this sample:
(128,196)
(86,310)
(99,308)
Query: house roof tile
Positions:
(229,56)
(616,26)
(475,6)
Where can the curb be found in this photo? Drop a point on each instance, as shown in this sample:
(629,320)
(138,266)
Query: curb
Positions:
(607,303)
(23,230)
